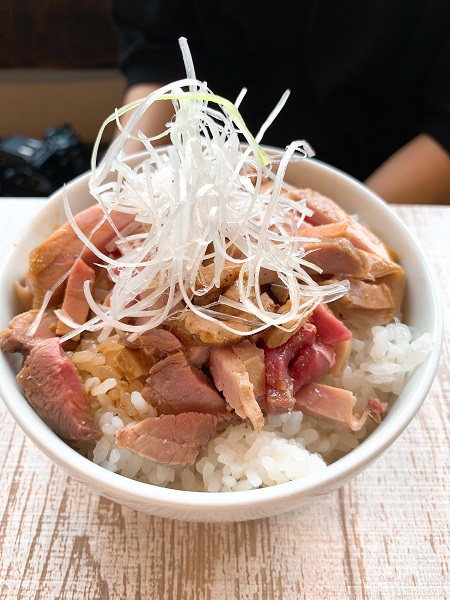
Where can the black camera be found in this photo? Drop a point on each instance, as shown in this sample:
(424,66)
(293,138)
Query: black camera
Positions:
(30,167)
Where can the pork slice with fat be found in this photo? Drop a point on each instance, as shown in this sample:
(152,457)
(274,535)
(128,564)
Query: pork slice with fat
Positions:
(337,256)
(253,359)
(232,378)
(54,389)
(169,439)
(367,304)
(326,212)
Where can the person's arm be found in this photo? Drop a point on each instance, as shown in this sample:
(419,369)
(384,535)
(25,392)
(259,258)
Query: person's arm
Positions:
(418,173)
(153,121)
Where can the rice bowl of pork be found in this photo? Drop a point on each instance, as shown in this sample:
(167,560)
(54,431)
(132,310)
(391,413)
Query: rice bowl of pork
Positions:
(421,311)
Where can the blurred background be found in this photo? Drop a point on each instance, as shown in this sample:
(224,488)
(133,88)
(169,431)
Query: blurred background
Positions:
(58,82)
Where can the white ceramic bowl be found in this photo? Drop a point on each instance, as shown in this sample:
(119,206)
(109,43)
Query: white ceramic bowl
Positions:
(422,311)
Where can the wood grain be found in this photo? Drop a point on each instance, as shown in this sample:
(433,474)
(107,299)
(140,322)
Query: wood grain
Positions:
(386,535)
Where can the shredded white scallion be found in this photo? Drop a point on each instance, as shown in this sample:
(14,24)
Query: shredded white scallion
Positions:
(200,201)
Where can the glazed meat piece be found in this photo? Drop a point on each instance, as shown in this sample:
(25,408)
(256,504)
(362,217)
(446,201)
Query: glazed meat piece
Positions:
(55,257)
(169,439)
(175,386)
(15,337)
(367,303)
(232,378)
(253,360)
(336,256)
(377,282)
(228,275)
(327,212)
(54,389)
(193,329)
(159,343)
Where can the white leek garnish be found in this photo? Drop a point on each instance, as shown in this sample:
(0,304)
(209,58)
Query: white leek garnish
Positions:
(201,201)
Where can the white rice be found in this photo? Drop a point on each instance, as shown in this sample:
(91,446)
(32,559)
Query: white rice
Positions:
(289,446)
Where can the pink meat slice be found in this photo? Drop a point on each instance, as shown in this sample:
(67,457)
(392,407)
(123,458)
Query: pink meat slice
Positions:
(336,406)
(337,256)
(279,383)
(54,389)
(326,211)
(232,378)
(15,337)
(330,329)
(175,386)
(377,409)
(75,304)
(53,258)
(328,231)
(312,362)
(169,439)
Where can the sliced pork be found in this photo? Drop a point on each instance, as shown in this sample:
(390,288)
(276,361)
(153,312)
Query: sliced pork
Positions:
(193,329)
(206,275)
(311,362)
(349,250)
(367,304)
(377,409)
(341,355)
(330,329)
(253,359)
(326,212)
(169,439)
(279,383)
(159,343)
(55,257)
(337,256)
(15,337)
(336,406)
(54,389)
(75,304)
(175,386)
(197,355)
(232,378)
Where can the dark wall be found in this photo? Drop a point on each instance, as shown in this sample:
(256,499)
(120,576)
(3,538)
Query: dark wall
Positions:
(56,34)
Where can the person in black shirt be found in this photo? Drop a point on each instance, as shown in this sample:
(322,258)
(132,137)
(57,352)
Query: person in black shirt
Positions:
(369,81)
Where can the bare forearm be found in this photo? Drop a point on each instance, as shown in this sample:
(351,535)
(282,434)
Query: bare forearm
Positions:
(153,121)
(418,173)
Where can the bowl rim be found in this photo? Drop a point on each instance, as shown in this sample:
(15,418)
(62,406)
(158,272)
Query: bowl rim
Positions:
(318,482)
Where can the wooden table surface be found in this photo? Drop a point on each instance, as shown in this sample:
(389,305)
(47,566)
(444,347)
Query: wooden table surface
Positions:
(386,535)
